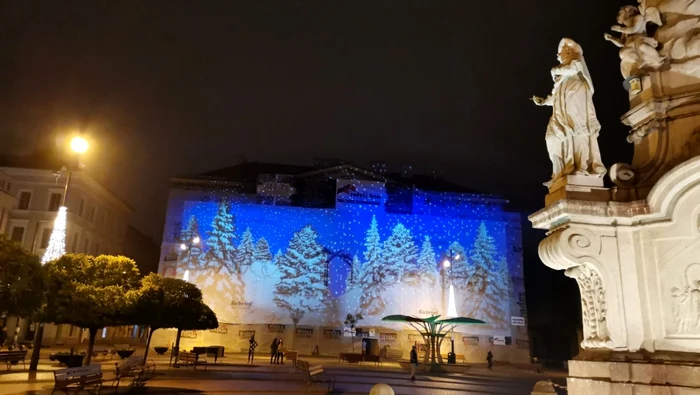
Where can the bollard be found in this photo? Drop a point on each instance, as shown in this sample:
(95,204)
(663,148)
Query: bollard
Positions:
(381,389)
(543,388)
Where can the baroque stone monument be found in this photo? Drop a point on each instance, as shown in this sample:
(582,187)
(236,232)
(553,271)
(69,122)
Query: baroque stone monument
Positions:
(633,247)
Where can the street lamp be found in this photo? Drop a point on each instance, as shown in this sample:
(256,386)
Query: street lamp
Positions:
(451,305)
(57,241)
(188,247)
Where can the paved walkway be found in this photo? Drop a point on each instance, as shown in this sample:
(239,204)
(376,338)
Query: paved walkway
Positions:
(233,376)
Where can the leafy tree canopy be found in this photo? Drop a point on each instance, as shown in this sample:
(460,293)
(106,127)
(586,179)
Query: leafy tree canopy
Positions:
(21,280)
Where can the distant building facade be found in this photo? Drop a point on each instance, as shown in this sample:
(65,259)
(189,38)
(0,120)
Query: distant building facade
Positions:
(372,242)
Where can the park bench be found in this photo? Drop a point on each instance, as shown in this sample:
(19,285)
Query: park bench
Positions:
(313,375)
(393,354)
(78,379)
(137,369)
(13,356)
(350,357)
(190,358)
(371,358)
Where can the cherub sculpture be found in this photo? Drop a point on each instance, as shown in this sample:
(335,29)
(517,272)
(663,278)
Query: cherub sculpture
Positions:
(637,50)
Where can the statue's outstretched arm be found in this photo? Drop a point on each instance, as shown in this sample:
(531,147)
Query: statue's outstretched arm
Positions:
(636,27)
(616,41)
(565,69)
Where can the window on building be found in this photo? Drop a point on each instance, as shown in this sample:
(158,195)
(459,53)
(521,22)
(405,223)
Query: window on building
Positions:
(55,201)
(104,332)
(86,244)
(100,218)
(97,248)
(74,248)
(17,234)
(24,198)
(2,184)
(91,217)
(81,209)
(45,236)
(70,332)
(9,186)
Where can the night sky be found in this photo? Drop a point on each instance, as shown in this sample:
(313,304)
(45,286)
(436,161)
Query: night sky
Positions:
(171,87)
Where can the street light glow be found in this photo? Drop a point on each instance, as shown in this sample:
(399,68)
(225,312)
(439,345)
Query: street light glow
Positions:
(457,256)
(79,145)
(183,247)
(186,276)
(195,240)
(446,264)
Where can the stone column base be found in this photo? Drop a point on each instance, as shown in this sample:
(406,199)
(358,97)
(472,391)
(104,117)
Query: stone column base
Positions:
(633,378)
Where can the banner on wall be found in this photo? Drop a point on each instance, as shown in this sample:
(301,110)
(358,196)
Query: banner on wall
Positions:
(275,328)
(222,330)
(245,335)
(517,321)
(332,333)
(359,192)
(389,337)
(470,340)
(305,332)
(188,334)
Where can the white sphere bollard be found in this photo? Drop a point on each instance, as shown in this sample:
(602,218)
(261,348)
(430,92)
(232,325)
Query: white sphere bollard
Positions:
(381,389)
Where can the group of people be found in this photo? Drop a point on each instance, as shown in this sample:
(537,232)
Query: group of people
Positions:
(276,350)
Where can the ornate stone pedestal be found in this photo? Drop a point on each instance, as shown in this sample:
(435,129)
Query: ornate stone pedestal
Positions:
(577,187)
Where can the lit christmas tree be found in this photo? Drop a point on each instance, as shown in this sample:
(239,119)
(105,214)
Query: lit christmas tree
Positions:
(372,274)
(400,253)
(486,285)
(427,266)
(301,288)
(57,241)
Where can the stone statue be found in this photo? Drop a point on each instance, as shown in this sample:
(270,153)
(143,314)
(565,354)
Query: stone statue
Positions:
(637,50)
(572,133)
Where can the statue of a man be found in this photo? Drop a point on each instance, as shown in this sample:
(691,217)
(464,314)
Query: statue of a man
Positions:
(572,133)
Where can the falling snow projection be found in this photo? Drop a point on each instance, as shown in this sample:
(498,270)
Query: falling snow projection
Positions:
(331,262)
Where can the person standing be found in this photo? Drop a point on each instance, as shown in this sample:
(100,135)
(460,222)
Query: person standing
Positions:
(3,336)
(414,363)
(274,347)
(489,360)
(251,350)
(280,351)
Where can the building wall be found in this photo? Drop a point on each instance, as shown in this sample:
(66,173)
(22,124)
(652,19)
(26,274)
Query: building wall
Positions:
(450,209)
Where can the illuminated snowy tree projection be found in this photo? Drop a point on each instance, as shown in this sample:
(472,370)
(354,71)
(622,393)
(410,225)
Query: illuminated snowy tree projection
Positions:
(301,289)
(487,288)
(220,280)
(373,279)
(277,264)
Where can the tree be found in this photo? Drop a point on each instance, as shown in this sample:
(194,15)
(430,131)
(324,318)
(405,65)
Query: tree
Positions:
(301,289)
(191,259)
(372,278)
(90,292)
(427,266)
(245,252)
(459,267)
(262,259)
(220,279)
(400,253)
(351,323)
(21,282)
(170,303)
(485,286)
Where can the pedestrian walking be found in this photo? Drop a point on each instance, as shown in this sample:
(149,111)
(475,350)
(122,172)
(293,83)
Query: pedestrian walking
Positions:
(414,363)
(280,351)
(251,350)
(274,347)
(489,360)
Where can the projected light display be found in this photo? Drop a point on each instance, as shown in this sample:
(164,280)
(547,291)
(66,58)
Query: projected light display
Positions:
(275,264)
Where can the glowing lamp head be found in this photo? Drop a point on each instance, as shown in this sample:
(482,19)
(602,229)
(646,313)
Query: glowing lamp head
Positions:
(79,145)
(183,247)
(446,264)
(457,256)
(186,275)
(195,240)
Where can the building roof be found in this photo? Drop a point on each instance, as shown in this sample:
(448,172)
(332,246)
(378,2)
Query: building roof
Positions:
(248,171)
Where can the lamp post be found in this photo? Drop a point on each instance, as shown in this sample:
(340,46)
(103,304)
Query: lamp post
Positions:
(57,241)
(451,305)
(188,247)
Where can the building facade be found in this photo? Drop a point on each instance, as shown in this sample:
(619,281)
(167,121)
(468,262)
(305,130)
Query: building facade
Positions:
(289,251)
(97,223)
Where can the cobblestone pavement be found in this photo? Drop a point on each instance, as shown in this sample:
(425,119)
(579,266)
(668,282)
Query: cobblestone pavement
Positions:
(235,377)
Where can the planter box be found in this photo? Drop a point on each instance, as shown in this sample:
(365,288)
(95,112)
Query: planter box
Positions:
(71,361)
(160,350)
(124,354)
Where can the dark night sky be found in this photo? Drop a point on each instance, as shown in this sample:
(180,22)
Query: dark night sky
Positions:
(169,87)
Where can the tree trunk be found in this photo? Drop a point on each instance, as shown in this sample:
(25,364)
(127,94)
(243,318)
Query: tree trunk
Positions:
(15,336)
(38,336)
(148,343)
(177,342)
(91,345)
(294,335)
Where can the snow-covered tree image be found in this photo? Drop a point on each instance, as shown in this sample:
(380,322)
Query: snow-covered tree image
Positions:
(400,253)
(190,258)
(372,278)
(487,290)
(263,266)
(220,278)
(244,253)
(459,270)
(301,289)
(427,266)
